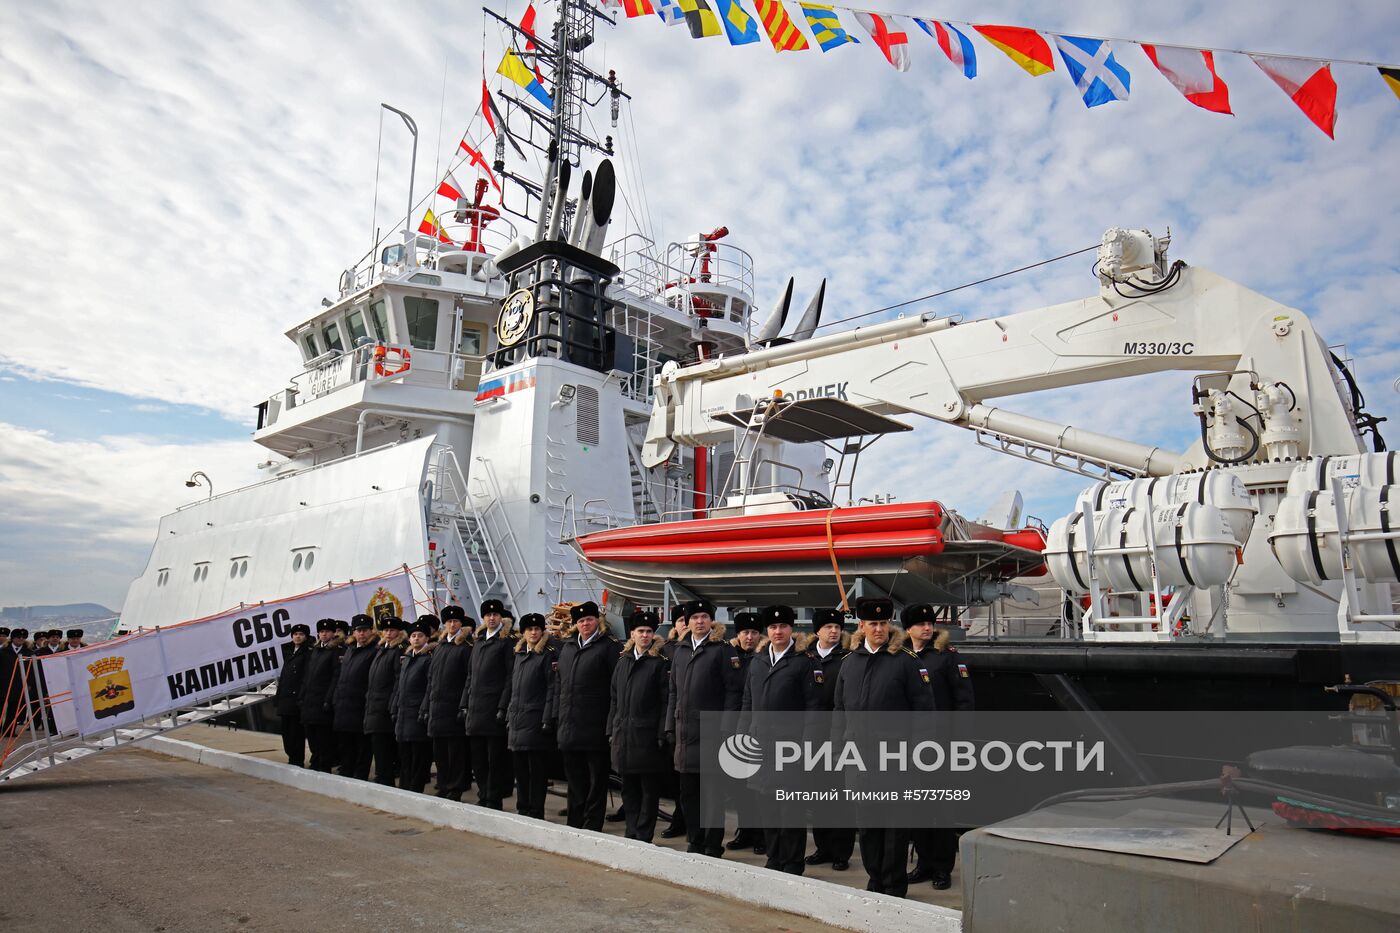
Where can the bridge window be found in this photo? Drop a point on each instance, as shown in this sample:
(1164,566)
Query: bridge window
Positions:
(356,322)
(379,318)
(332,334)
(311,347)
(421,316)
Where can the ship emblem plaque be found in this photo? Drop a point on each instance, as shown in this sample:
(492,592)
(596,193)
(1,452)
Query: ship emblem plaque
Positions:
(517,314)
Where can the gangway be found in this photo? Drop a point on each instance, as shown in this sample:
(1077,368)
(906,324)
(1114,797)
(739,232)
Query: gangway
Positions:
(68,706)
(44,751)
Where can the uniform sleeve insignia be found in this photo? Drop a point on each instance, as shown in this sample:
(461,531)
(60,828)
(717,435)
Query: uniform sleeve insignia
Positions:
(923,674)
(962,670)
(818,676)
(735,663)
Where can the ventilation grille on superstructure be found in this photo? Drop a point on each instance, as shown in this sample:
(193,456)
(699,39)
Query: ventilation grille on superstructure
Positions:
(587,405)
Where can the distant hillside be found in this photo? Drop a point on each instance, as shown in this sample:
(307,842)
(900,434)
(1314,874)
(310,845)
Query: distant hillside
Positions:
(70,611)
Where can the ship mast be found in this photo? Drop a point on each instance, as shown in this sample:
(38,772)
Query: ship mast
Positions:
(559,135)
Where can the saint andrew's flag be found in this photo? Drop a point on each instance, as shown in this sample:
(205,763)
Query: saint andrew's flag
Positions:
(1095,72)
(1308,84)
(782,31)
(954,44)
(1025,47)
(1192,72)
(893,42)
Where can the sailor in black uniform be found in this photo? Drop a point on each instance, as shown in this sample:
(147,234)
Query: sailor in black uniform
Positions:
(779,679)
(637,723)
(586,661)
(447,678)
(407,706)
(348,700)
(936,849)
(379,692)
(318,692)
(826,650)
(676,828)
(288,696)
(880,676)
(484,703)
(706,676)
(748,632)
(534,703)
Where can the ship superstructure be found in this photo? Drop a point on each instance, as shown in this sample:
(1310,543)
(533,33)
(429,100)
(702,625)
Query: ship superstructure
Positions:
(412,435)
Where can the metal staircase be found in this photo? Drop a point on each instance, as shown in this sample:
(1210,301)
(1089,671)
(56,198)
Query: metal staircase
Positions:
(44,751)
(471,570)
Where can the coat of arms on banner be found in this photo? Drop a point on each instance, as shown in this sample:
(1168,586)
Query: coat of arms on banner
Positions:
(110,687)
(383,605)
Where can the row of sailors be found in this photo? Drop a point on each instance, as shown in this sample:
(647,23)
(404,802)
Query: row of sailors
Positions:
(42,643)
(501,705)
(17,644)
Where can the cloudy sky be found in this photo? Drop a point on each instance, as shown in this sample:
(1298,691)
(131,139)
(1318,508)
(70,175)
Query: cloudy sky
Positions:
(181,182)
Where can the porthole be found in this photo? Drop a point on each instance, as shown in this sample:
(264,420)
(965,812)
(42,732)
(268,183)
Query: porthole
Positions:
(296,561)
(310,559)
(204,572)
(243,569)
(196,574)
(233,570)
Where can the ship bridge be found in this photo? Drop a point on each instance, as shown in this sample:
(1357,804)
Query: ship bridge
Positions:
(407,336)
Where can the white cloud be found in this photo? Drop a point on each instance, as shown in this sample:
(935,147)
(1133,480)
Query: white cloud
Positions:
(193,180)
(77,518)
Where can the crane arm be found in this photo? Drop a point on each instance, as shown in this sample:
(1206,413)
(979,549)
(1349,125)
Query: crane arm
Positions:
(1192,320)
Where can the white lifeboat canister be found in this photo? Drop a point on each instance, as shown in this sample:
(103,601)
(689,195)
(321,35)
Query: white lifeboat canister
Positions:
(1356,470)
(1222,489)
(1304,538)
(1196,547)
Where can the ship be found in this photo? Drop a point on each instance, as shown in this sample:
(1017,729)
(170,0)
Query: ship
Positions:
(509,404)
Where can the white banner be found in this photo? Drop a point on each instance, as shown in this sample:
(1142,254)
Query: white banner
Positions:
(94,690)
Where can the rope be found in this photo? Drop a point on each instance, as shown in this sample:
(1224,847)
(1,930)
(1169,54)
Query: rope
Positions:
(835,567)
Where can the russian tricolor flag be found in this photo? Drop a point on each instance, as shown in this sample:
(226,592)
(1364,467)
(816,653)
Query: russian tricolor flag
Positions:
(954,44)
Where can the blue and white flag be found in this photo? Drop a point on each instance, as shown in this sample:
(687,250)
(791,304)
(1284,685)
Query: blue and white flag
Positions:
(1094,70)
(670,12)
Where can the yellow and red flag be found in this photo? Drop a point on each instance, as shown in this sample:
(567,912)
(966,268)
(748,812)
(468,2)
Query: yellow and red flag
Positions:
(782,32)
(1025,47)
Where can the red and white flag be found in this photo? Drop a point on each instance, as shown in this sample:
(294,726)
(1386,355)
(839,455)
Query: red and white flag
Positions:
(1308,83)
(527,26)
(892,40)
(449,189)
(1192,72)
(479,161)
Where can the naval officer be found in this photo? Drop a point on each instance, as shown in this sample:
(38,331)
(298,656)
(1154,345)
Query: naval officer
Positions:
(880,676)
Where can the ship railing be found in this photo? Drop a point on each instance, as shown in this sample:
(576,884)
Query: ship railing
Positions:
(722,275)
(802,500)
(472,547)
(584,519)
(477,237)
(289,474)
(406,364)
(495,525)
